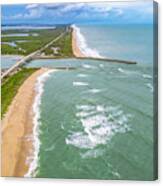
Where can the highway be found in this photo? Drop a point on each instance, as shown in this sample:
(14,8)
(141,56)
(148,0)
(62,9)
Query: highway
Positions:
(30,57)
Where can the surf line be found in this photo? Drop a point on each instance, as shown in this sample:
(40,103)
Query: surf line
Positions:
(79,45)
(39,90)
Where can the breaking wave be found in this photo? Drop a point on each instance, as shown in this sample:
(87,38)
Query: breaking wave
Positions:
(100,124)
(147,76)
(39,88)
(79,83)
(81,41)
(150,86)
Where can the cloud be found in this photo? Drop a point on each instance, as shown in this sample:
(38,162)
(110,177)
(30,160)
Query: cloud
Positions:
(84,11)
(119,12)
(65,9)
(72,7)
(31,6)
(33,13)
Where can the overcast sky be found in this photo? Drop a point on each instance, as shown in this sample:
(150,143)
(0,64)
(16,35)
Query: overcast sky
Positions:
(63,13)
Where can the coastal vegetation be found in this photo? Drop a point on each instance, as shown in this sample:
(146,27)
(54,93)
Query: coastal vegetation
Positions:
(35,39)
(10,86)
(63,47)
(25,42)
(7,49)
(31,41)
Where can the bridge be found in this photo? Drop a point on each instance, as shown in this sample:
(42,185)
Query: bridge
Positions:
(30,56)
(36,55)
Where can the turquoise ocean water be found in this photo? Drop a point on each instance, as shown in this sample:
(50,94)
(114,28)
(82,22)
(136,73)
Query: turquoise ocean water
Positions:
(96,121)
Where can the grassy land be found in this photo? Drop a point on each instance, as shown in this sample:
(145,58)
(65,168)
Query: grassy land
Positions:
(11,85)
(65,47)
(32,43)
(6,49)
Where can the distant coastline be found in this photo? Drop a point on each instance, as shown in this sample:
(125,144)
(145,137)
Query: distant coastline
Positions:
(75,46)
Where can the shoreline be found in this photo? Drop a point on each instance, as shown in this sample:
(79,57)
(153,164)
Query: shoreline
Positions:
(17,129)
(75,48)
(34,158)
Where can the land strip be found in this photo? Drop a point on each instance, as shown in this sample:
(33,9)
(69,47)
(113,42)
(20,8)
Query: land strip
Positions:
(17,127)
(30,56)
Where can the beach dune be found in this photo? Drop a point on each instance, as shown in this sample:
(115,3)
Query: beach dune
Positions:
(17,127)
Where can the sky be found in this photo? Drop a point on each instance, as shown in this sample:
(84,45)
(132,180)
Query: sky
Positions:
(79,13)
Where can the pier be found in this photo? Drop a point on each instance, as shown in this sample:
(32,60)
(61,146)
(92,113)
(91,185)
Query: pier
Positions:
(109,60)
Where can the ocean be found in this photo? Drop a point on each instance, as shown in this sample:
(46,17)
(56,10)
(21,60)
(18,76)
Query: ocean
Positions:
(96,122)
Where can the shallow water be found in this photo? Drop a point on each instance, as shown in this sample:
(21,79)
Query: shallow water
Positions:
(94,117)
(8,61)
(128,42)
(97,121)
(25,27)
(12,44)
(19,35)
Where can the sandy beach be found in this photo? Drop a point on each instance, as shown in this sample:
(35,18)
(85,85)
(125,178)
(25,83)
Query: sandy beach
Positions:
(17,127)
(76,50)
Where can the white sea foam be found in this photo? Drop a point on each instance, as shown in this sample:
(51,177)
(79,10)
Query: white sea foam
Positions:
(120,70)
(84,114)
(85,107)
(100,124)
(50,148)
(94,90)
(100,108)
(128,72)
(116,174)
(79,83)
(147,76)
(94,153)
(149,85)
(88,66)
(39,88)
(81,41)
(82,75)
(101,65)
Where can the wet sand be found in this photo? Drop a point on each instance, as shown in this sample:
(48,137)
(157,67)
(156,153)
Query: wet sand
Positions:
(17,129)
(76,50)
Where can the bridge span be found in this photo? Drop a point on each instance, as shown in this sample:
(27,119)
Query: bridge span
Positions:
(30,56)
